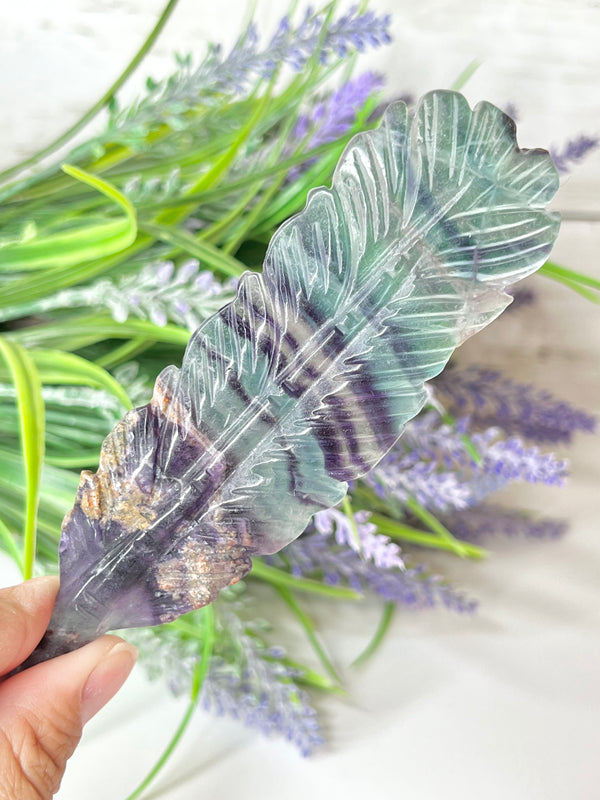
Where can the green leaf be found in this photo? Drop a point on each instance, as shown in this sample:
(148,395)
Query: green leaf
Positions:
(309,628)
(552,269)
(216,259)
(55,366)
(466,75)
(278,577)
(577,281)
(76,332)
(406,533)
(48,281)
(220,167)
(75,245)
(124,352)
(31,415)
(80,460)
(8,540)
(308,677)
(446,540)
(383,627)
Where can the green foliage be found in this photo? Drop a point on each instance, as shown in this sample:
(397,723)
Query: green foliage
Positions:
(31,426)
(584,285)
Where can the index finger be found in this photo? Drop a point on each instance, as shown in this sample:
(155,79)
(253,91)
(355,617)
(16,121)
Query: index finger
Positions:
(25,612)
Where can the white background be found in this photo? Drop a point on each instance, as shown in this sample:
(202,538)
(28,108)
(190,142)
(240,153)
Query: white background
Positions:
(502,705)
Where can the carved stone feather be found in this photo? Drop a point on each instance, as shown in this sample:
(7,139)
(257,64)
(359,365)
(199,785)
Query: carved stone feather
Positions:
(308,377)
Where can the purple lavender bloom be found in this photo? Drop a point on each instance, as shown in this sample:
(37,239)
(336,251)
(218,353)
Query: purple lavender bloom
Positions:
(432,463)
(573,151)
(373,563)
(232,74)
(246,680)
(428,463)
(329,119)
(315,555)
(511,460)
(489,398)
(360,536)
(357,31)
(258,689)
(476,524)
(393,480)
(333,116)
(284,710)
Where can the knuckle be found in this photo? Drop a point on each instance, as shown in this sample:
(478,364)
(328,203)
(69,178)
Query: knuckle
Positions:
(35,753)
(12,783)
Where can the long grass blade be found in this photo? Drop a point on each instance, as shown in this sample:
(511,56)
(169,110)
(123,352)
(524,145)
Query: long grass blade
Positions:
(77,332)
(462,549)
(75,245)
(216,259)
(406,533)
(379,635)
(10,546)
(584,285)
(278,577)
(56,366)
(48,281)
(200,673)
(309,629)
(31,415)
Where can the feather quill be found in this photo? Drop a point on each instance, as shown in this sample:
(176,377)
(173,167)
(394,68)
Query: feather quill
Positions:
(307,378)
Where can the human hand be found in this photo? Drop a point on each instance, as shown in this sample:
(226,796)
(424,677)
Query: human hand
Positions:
(44,708)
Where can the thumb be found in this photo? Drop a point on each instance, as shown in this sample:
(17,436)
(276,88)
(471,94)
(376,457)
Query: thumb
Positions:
(43,711)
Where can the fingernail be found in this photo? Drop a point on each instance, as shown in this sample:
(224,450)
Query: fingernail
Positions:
(106,679)
(35,592)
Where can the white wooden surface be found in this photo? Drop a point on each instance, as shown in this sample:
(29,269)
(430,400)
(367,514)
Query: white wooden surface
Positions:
(502,705)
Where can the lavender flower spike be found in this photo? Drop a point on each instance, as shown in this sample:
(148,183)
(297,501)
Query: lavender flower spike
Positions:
(490,398)
(158,292)
(260,690)
(246,679)
(358,30)
(433,464)
(312,555)
(434,488)
(292,44)
(573,151)
(478,524)
(511,460)
(330,118)
(372,546)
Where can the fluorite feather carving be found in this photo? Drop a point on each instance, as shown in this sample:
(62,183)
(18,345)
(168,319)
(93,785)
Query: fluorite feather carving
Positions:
(308,377)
